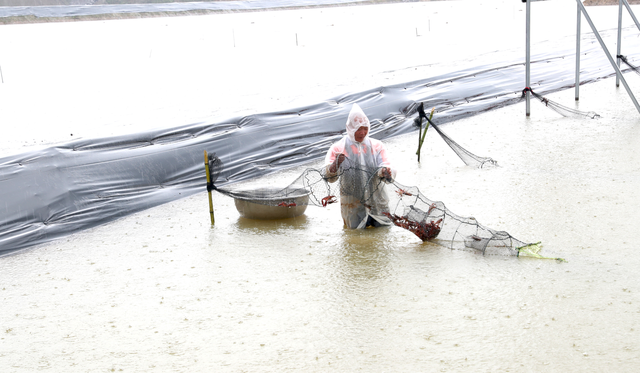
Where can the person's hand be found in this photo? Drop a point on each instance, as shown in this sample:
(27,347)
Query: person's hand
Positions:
(336,164)
(386,173)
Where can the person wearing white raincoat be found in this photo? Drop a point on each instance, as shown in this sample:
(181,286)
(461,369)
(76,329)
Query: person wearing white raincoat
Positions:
(363,166)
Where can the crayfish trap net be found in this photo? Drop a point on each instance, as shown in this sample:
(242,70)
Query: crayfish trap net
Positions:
(405,206)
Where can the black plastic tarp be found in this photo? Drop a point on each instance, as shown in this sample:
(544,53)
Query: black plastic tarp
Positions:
(49,193)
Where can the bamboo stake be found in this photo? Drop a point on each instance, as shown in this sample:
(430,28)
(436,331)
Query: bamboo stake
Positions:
(422,135)
(206,166)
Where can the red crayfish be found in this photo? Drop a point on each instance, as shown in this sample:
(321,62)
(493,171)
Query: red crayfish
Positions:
(424,230)
(284,204)
(402,192)
(328,200)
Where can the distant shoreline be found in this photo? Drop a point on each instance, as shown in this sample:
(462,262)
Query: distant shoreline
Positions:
(607,2)
(137,15)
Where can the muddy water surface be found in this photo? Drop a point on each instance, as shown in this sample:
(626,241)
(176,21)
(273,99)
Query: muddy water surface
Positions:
(163,291)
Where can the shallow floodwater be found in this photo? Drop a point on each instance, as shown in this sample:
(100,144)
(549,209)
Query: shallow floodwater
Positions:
(162,290)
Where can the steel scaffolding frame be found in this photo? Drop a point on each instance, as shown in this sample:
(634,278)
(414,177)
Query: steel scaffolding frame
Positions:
(581,11)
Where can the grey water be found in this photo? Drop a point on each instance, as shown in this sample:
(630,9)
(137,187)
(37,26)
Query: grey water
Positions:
(78,184)
(163,290)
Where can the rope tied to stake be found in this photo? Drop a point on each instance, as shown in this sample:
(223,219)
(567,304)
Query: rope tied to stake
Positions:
(560,109)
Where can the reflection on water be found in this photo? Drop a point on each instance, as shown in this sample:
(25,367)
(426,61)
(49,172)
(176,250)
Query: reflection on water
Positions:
(362,257)
(255,226)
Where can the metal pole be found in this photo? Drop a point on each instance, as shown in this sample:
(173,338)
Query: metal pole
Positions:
(606,51)
(619,39)
(527,82)
(578,36)
(633,16)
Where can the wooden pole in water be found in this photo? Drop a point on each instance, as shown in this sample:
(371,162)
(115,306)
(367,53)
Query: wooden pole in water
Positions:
(422,135)
(206,167)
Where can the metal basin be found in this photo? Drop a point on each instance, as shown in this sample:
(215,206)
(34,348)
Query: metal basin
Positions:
(268,209)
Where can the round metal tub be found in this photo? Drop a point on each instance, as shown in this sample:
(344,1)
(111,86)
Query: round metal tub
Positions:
(268,209)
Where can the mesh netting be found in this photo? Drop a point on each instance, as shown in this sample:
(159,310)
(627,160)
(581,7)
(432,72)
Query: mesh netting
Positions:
(467,157)
(406,207)
(560,109)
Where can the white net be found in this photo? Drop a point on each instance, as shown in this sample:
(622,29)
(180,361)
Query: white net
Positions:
(404,206)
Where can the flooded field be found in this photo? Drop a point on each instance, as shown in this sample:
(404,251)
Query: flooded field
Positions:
(162,290)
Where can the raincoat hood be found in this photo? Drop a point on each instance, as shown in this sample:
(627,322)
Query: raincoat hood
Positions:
(356,119)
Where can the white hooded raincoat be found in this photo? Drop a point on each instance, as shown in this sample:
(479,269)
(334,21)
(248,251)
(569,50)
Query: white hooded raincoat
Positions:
(363,198)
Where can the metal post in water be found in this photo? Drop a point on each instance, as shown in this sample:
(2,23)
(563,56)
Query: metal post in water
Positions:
(633,16)
(528,57)
(578,36)
(606,52)
(619,39)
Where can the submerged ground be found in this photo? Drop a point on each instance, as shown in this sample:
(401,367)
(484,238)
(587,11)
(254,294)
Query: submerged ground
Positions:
(162,290)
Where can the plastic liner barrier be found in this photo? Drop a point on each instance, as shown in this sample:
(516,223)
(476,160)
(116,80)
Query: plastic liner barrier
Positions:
(47,194)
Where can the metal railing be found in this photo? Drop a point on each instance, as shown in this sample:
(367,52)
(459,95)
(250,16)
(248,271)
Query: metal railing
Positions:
(581,11)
